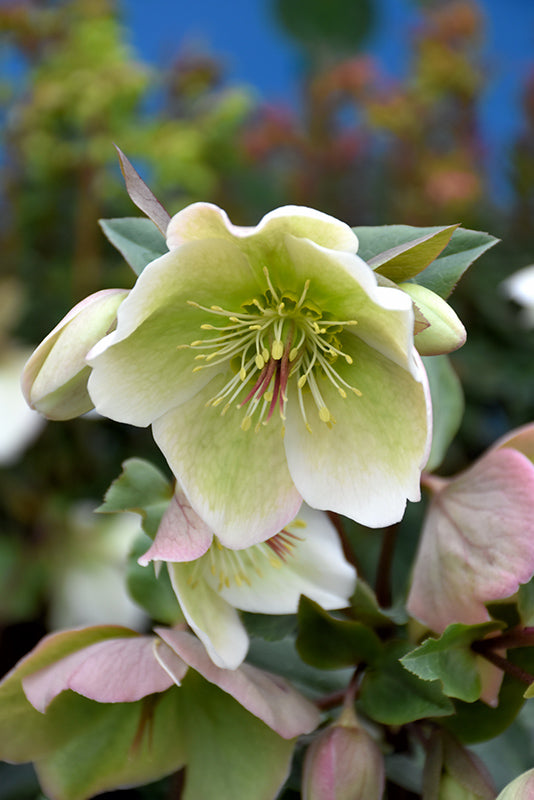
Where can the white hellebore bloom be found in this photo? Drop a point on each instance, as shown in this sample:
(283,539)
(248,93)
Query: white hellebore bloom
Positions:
(520,287)
(211,581)
(272,368)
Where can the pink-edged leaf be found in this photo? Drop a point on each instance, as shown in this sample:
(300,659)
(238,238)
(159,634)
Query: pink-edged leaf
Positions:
(113,671)
(267,696)
(141,195)
(182,535)
(477,543)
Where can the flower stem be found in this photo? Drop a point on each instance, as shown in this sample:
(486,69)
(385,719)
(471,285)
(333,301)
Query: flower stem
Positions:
(502,663)
(383,574)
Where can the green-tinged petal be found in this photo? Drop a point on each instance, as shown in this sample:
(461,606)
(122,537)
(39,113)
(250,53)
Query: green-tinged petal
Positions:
(206,221)
(344,287)
(144,367)
(269,697)
(54,380)
(112,671)
(236,480)
(25,733)
(314,566)
(113,745)
(216,622)
(368,463)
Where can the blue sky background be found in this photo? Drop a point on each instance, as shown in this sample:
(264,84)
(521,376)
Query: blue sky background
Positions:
(254,51)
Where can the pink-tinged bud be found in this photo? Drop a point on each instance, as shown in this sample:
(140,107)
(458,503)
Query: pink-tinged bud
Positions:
(522,788)
(343,763)
(444,332)
(54,380)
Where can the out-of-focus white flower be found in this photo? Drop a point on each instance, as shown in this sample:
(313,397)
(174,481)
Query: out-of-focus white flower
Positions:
(520,287)
(20,425)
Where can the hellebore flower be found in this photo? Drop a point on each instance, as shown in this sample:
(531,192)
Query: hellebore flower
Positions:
(54,380)
(477,544)
(100,708)
(211,581)
(272,368)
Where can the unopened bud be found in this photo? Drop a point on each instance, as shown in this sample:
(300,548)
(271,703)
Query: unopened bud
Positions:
(344,763)
(522,788)
(54,380)
(444,331)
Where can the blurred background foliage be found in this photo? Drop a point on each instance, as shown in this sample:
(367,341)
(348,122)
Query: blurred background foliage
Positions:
(362,144)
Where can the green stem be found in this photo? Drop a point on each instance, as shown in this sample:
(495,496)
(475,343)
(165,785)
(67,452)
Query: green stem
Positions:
(385,562)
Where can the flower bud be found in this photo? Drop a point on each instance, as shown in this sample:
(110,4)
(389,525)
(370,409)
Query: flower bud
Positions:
(444,332)
(522,788)
(343,763)
(54,380)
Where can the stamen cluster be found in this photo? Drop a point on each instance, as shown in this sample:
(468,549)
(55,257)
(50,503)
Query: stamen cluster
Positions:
(274,340)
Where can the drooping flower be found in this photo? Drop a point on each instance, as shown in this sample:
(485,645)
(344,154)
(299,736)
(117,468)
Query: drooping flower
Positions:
(477,544)
(211,581)
(272,368)
(100,708)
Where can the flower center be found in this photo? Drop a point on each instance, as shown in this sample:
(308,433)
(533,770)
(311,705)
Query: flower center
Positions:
(222,566)
(274,340)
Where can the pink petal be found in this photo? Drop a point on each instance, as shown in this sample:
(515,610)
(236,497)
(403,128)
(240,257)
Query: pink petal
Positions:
(267,696)
(182,534)
(113,671)
(477,543)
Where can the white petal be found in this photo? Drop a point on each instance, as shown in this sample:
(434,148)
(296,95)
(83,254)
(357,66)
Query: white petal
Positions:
(215,622)
(316,568)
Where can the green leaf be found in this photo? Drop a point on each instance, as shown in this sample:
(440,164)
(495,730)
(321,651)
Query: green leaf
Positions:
(444,273)
(329,643)
(408,258)
(282,658)
(443,268)
(136,238)
(114,744)
(393,696)
(478,722)
(141,488)
(230,753)
(271,627)
(366,609)
(451,660)
(447,406)
(154,594)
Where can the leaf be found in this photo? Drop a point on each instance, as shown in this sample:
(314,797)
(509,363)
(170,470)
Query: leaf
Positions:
(136,239)
(141,195)
(271,627)
(444,273)
(407,259)
(451,660)
(393,696)
(230,753)
(478,722)
(329,643)
(447,406)
(141,488)
(153,593)
(365,607)
(282,658)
